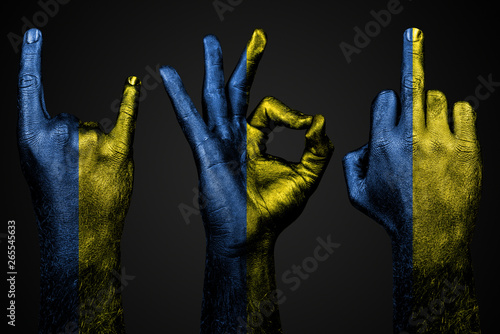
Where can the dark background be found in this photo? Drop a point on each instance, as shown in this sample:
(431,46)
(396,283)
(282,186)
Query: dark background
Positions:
(90,48)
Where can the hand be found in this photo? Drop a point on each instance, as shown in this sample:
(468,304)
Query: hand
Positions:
(421,180)
(81,182)
(247,196)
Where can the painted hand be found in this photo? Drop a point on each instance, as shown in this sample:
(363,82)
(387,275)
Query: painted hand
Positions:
(247,196)
(421,180)
(81,182)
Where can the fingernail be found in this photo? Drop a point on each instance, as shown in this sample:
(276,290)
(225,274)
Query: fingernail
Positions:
(409,34)
(32,36)
(417,34)
(259,33)
(413,34)
(258,41)
(133,80)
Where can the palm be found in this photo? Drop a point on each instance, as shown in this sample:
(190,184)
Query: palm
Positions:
(222,189)
(276,193)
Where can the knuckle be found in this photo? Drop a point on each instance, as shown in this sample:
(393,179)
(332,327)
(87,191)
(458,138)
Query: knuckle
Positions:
(128,109)
(213,91)
(28,82)
(30,139)
(381,146)
(268,101)
(348,160)
(61,131)
(413,81)
(354,194)
(320,121)
(62,126)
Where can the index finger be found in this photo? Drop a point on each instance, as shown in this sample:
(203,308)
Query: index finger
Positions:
(189,119)
(271,112)
(123,132)
(317,152)
(412,81)
(31,103)
(318,148)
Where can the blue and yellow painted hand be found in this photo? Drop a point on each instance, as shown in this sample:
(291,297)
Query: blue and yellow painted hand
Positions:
(247,196)
(80,180)
(420,177)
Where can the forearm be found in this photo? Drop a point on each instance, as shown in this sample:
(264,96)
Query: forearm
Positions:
(99,291)
(262,310)
(58,241)
(79,281)
(59,301)
(432,297)
(88,301)
(101,309)
(402,282)
(101,220)
(224,294)
(240,294)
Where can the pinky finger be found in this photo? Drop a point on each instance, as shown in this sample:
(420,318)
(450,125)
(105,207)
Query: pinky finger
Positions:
(464,121)
(123,132)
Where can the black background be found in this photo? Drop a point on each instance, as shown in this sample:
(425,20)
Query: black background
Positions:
(90,48)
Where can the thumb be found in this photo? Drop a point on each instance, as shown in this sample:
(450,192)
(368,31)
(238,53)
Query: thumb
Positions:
(355,164)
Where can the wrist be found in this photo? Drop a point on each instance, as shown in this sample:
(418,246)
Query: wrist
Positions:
(433,251)
(240,291)
(59,301)
(79,282)
(100,299)
(444,300)
(224,292)
(262,310)
(99,287)
(433,288)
